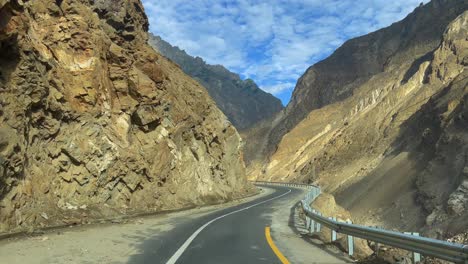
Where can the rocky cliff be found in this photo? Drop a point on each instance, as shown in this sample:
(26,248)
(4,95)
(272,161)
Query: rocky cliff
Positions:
(94,123)
(358,60)
(241,101)
(382,124)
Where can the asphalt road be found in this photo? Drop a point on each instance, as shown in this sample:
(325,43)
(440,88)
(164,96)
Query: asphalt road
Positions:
(233,235)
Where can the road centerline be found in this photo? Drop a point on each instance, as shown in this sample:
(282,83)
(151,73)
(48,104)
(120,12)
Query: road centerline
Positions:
(184,246)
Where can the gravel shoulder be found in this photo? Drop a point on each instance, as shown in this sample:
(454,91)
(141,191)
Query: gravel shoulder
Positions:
(290,235)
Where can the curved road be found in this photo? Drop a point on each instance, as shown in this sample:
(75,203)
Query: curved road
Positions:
(233,235)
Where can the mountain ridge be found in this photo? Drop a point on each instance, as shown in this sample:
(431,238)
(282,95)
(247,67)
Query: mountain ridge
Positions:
(332,79)
(387,125)
(242,101)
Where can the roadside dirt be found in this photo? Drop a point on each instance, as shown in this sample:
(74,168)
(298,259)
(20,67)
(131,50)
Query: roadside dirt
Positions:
(291,237)
(101,243)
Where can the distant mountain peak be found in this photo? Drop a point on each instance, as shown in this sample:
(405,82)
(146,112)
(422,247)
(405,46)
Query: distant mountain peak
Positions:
(242,101)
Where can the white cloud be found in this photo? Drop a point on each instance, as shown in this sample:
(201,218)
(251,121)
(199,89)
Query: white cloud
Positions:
(278,88)
(274,42)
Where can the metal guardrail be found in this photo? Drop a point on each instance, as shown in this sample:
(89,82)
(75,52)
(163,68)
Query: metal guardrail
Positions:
(453,252)
(287,184)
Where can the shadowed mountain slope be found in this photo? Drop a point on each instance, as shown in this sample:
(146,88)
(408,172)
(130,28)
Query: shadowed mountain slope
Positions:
(241,101)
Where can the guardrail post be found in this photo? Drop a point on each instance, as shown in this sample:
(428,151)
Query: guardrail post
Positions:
(333,235)
(377,245)
(416,256)
(318,225)
(350,242)
(312,224)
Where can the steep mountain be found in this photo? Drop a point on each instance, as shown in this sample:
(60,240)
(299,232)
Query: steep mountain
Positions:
(358,60)
(94,123)
(382,124)
(240,100)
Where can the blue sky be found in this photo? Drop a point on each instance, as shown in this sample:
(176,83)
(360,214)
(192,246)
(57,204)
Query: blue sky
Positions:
(272,42)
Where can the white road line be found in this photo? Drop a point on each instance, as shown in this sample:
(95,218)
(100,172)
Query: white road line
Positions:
(181,250)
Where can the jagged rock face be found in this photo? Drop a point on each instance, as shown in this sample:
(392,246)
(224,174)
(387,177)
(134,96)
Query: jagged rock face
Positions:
(394,151)
(241,101)
(358,60)
(94,123)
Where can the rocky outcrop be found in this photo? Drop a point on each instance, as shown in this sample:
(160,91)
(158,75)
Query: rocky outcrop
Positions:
(387,135)
(94,123)
(241,101)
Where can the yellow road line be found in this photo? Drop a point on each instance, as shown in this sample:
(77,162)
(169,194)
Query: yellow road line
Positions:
(281,257)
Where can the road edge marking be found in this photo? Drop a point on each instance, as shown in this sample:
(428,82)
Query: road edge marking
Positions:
(181,250)
(275,249)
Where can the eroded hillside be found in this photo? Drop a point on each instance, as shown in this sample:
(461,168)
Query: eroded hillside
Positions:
(385,130)
(357,61)
(94,123)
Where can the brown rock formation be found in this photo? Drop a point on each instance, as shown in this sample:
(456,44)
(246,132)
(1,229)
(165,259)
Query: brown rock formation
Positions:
(94,123)
(382,124)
